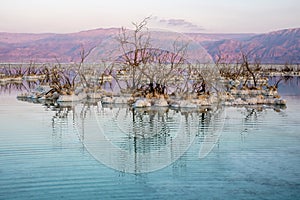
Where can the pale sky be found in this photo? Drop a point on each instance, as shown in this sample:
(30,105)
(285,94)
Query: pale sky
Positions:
(207,16)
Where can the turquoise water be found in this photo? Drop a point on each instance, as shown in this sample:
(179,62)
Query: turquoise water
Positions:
(61,152)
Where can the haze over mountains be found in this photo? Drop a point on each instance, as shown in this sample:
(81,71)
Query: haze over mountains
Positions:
(277,47)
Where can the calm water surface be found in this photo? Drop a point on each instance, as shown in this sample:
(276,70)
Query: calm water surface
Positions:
(61,152)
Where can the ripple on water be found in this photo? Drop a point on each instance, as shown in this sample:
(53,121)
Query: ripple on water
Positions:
(42,154)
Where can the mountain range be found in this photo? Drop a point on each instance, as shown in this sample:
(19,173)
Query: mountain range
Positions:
(277,47)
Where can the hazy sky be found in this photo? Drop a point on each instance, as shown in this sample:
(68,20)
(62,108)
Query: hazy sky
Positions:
(210,16)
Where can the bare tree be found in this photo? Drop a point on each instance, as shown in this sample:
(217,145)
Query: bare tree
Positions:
(81,71)
(134,48)
(253,70)
(149,69)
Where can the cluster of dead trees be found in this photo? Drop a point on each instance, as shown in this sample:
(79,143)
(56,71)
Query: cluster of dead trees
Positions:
(145,70)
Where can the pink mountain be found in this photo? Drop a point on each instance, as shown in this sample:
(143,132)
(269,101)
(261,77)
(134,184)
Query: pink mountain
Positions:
(276,47)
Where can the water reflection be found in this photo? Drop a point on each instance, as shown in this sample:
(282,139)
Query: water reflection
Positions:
(288,85)
(141,140)
(133,140)
(20,86)
(144,140)
(43,151)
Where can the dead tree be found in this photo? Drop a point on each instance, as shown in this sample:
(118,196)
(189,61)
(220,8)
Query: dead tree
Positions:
(251,70)
(134,45)
(81,71)
(144,64)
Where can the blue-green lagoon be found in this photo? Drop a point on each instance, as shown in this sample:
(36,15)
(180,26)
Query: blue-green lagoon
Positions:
(92,151)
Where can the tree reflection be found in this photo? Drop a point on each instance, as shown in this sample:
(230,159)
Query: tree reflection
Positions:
(143,131)
(19,86)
